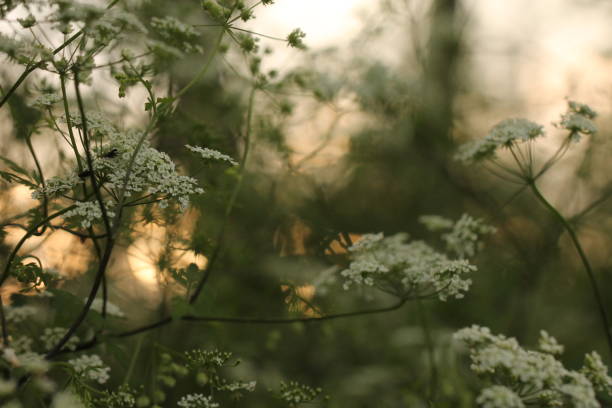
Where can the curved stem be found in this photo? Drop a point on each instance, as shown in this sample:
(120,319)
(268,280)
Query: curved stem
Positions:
(230,206)
(256,320)
(207,64)
(585,261)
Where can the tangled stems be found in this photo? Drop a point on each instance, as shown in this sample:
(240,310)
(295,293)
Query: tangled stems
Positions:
(585,261)
(33,67)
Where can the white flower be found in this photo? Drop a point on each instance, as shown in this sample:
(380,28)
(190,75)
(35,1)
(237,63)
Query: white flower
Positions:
(436,223)
(197,401)
(578,121)
(499,396)
(55,186)
(19,314)
(52,336)
(111,308)
(405,268)
(507,133)
(503,361)
(66,399)
(597,372)
(465,238)
(91,368)
(211,154)
(549,344)
(89,212)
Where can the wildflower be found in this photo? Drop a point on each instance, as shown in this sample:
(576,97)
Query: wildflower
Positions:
(177,34)
(436,223)
(405,268)
(91,368)
(597,372)
(549,344)
(295,39)
(211,154)
(197,401)
(19,314)
(504,362)
(111,308)
(499,396)
(464,240)
(66,399)
(295,393)
(88,211)
(506,134)
(578,121)
(207,358)
(52,335)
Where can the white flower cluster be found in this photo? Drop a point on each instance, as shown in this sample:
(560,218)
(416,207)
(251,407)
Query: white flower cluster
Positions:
(91,368)
(548,344)
(31,362)
(56,185)
(464,239)
(534,377)
(19,314)
(207,358)
(47,99)
(597,372)
(294,393)
(177,34)
(499,396)
(507,133)
(211,154)
(66,399)
(406,269)
(248,386)
(52,335)
(197,401)
(89,212)
(578,120)
(21,344)
(111,308)
(152,172)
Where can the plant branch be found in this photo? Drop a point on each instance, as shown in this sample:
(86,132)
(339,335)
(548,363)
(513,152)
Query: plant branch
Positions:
(603,315)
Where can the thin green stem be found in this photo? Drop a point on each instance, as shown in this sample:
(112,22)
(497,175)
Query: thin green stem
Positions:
(207,64)
(230,206)
(585,261)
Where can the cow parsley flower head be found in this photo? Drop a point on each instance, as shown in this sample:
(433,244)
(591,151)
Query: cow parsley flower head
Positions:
(506,134)
(294,393)
(111,308)
(406,268)
(197,401)
(537,378)
(597,372)
(66,399)
(578,120)
(56,185)
(499,396)
(548,344)
(465,239)
(91,368)
(52,335)
(211,154)
(89,212)
(152,172)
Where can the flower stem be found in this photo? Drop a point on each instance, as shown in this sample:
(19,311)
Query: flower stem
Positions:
(585,261)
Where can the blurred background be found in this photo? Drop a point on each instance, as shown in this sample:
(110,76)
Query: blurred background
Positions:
(357,136)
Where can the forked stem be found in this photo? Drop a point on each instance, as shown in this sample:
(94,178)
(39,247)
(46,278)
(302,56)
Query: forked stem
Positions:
(603,315)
